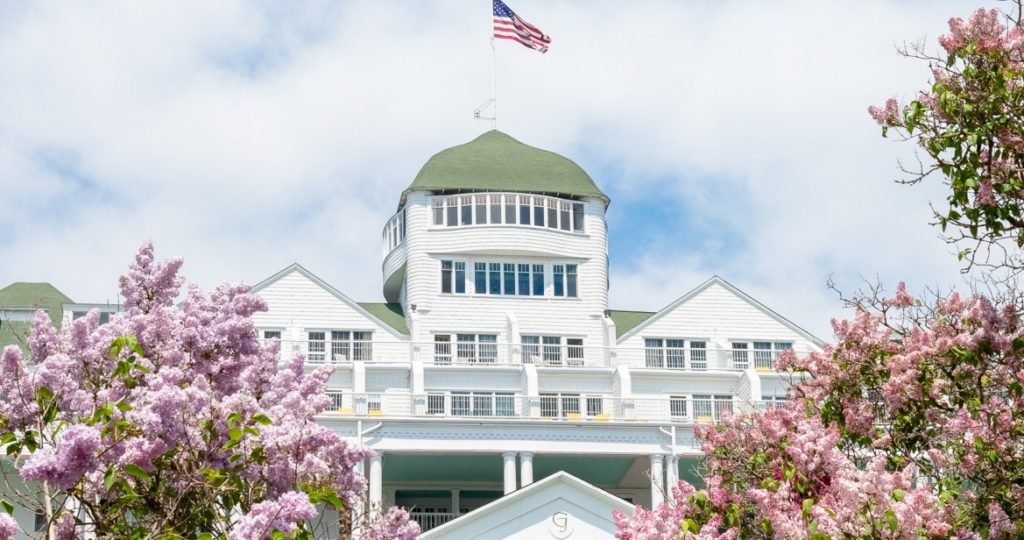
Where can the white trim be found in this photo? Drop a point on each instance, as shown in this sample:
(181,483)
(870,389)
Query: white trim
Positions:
(510,500)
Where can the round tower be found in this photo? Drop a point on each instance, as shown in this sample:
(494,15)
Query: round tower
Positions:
(496,237)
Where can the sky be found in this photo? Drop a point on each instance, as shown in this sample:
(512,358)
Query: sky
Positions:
(732,137)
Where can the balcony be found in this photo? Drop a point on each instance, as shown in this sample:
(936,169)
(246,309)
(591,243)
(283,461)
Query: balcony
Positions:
(482,354)
(554,408)
(431,520)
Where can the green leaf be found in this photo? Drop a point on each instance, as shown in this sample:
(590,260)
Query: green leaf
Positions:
(261,419)
(109,478)
(235,434)
(136,471)
(893,521)
(808,505)
(6,507)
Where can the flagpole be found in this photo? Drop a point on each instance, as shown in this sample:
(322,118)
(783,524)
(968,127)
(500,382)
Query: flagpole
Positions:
(494,99)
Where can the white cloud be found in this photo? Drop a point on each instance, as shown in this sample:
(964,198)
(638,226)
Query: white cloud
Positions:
(244,137)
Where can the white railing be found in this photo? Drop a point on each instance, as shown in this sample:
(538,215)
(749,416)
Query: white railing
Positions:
(556,408)
(430,520)
(477,353)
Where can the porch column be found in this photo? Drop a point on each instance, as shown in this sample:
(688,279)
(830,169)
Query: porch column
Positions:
(455,502)
(671,476)
(510,471)
(657,479)
(525,468)
(376,481)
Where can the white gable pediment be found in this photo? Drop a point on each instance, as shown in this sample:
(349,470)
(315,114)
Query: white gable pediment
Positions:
(559,507)
(718,308)
(297,298)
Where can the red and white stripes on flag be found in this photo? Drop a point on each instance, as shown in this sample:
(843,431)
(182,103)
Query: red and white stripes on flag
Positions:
(508,25)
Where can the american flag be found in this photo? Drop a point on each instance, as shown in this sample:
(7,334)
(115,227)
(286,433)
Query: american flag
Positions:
(508,25)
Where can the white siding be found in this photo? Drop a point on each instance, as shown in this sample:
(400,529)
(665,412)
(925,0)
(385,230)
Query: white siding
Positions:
(484,379)
(427,245)
(297,305)
(718,316)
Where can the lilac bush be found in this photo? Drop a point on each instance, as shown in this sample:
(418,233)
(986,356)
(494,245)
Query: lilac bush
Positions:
(175,421)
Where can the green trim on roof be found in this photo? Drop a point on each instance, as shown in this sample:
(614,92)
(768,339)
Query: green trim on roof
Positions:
(496,162)
(391,314)
(628,320)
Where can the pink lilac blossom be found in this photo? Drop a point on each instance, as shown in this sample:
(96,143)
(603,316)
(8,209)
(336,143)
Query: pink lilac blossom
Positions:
(169,402)
(8,527)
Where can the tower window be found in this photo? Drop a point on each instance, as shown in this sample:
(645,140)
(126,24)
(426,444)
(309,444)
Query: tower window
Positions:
(510,278)
(510,209)
(452,204)
(538,211)
(552,214)
(467,210)
(495,209)
(570,280)
(563,215)
(577,217)
(524,209)
(460,277)
(494,278)
(481,209)
(538,280)
(446,276)
(558,275)
(438,207)
(480,278)
(524,279)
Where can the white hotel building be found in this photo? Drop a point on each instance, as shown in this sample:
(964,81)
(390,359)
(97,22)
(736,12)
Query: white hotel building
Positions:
(497,360)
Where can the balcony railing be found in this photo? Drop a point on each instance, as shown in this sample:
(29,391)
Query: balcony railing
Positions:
(570,408)
(540,355)
(430,520)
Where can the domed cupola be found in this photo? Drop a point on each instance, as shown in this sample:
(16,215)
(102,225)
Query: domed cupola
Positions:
(495,161)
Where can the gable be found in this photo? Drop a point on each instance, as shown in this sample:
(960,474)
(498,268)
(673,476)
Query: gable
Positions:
(298,299)
(718,311)
(560,506)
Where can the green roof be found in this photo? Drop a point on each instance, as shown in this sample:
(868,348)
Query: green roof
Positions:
(391,314)
(628,320)
(496,162)
(22,295)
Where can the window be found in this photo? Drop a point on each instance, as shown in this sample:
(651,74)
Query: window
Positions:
(764,353)
(552,350)
(494,278)
(482,404)
(524,209)
(480,279)
(538,211)
(510,278)
(706,407)
(774,402)
(524,279)
(740,360)
(595,406)
(531,349)
(577,217)
(442,349)
(337,399)
(574,351)
(466,210)
(446,276)
(538,280)
(316,347)
(552,214)
(563,215)
(699,354)
(570,280)
(471,348)
(559,405)
(272,334)
(654,353)
(460,277)
(452,204)
(510,209)
(677,406)
(374,404)
(675,354)
(671,353)
(435,403)
(481,209)
(349,345)
(438,208)
(495,209)
(558,274)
